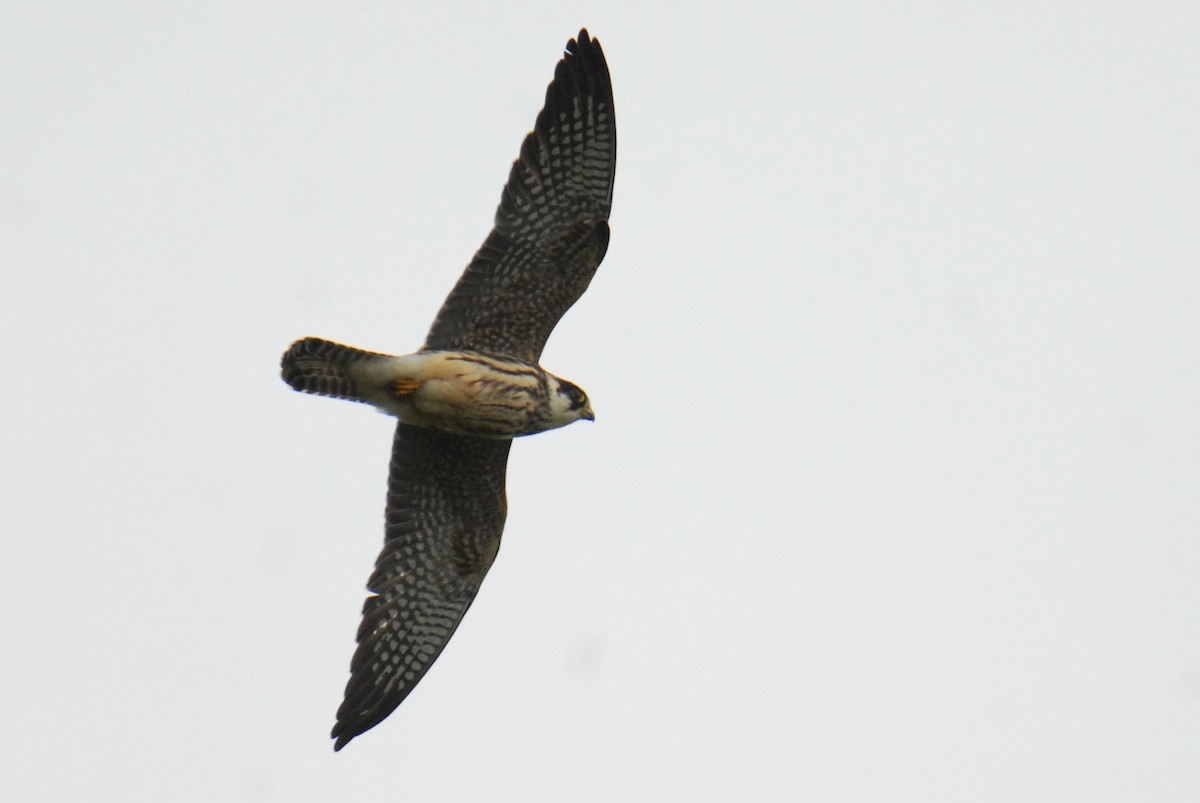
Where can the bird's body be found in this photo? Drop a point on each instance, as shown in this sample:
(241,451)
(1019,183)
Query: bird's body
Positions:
(472,387)
(454,391)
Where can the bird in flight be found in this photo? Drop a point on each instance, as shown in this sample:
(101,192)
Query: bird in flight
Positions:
(472,387)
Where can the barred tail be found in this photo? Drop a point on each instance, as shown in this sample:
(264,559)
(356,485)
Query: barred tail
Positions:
(319,366)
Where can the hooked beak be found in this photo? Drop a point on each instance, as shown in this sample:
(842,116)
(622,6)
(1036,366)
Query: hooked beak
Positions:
(588,414)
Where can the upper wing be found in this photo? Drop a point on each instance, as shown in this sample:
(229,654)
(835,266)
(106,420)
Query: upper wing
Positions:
(551,228)
(445,513)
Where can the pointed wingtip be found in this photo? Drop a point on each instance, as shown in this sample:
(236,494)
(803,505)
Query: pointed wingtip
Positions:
(582,42)
(342,734)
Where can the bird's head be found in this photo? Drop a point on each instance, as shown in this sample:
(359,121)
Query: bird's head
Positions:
(568,403)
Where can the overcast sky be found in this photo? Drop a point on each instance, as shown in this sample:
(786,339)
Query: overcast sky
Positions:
(892,493)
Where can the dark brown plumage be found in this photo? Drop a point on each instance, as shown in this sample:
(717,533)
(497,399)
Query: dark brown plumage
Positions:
(551,228)
(445,512)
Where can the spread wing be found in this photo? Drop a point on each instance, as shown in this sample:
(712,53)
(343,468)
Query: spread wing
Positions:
(445,513)
(551,228)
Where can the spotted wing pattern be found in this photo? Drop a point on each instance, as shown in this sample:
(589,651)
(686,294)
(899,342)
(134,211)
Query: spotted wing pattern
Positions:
(551,228)
(445,513)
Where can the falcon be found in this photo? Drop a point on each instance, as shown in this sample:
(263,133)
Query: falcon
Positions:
(472,387)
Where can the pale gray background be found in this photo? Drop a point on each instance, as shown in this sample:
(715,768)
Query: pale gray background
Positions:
(892,494)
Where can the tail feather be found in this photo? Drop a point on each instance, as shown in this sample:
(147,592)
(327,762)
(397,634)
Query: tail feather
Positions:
(319,366)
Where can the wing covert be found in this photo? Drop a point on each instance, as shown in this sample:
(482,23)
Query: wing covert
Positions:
(551,228)
(445,513)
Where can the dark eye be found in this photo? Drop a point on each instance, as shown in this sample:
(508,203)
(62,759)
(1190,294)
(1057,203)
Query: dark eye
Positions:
(576,395)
